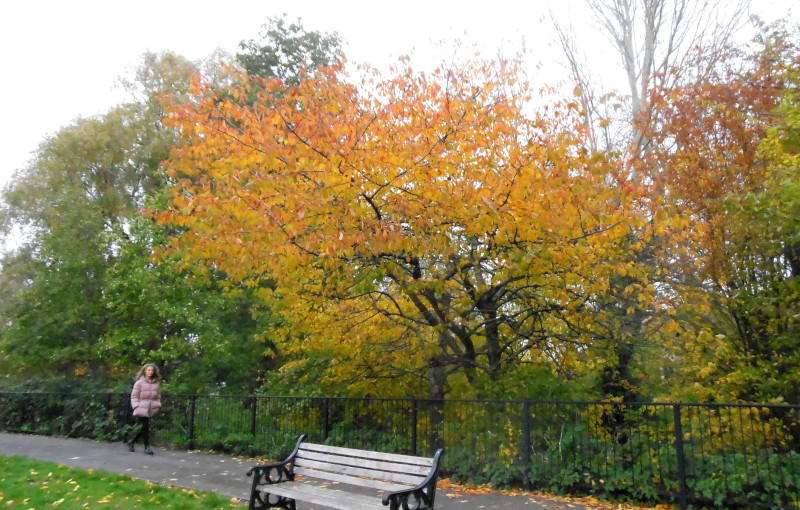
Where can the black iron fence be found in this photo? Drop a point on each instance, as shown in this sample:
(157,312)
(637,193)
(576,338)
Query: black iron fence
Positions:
(716,455)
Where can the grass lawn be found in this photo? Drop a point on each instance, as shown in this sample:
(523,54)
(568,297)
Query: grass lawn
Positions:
(34,484)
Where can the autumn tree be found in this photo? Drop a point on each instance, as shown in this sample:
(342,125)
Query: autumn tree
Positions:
(653,42)
(733,173)
(423,233)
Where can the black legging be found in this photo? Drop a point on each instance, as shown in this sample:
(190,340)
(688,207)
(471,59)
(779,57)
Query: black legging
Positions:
(144,431)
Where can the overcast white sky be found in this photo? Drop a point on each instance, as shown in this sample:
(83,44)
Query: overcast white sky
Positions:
(61,58)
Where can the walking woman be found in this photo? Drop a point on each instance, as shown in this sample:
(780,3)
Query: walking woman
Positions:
(146,402)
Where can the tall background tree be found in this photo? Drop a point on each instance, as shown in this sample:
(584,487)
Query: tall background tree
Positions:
(85,302)
(285,48)
(724,142)
(654,42)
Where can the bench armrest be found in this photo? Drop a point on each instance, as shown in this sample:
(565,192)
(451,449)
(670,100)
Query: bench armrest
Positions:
(420,497)
(276,472)
(272,473)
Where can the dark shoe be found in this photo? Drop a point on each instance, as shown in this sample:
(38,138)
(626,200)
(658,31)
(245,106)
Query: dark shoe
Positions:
(129,444)
(148,451)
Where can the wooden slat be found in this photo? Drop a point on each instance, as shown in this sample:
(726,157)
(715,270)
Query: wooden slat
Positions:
(324,496)
(358,471)
(380,465)
(366,454)
(370,483)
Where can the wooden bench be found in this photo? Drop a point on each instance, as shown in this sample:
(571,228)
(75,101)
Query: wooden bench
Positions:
(346,479)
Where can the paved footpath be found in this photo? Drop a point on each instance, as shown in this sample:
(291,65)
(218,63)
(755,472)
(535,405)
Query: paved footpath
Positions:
(219,473)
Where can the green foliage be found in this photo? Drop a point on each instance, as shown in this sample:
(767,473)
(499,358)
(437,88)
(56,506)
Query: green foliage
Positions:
(763,266)
(71,204)
(83,303)
(196,329)
(96,416)
(722,146)
(530,381)
(284,49)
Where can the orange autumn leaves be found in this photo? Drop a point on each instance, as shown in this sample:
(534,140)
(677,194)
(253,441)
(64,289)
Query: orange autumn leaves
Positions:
(327,170)
(434,206)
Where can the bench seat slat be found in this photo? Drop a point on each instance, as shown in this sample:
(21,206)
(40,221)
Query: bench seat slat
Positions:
(359,471)
(323,496)
(366,454)
(352,480)
(379,465)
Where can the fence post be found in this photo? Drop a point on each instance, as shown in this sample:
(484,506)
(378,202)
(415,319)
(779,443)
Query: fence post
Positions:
(253,406)
(413,426)
(325,419)
(125,400)
(680,456)
(191,421)
(526,444)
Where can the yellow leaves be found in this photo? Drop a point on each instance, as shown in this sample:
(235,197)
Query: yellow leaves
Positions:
(489,204)
(337,192)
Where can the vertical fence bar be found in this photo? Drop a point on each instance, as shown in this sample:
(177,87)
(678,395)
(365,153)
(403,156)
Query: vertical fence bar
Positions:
(253,411)
(325,419)
(679,455)
(126,413)
(526,445)
(192,407)
(413,426)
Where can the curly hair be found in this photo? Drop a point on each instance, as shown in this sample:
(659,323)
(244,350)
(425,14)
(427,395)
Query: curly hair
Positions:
(156,373)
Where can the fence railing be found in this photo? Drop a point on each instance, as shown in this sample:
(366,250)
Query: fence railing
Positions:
(717,455)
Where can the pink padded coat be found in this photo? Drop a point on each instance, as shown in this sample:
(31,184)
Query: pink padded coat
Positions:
(145,398)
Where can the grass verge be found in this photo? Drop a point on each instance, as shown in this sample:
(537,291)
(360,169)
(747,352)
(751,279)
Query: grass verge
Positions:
(34,484)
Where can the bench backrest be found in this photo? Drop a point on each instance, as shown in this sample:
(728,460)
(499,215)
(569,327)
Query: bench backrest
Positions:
(376,470)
